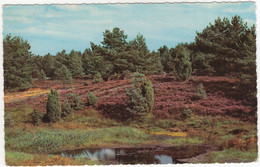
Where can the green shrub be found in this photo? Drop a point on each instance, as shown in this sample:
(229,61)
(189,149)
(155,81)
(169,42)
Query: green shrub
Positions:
(71,103)
(97,78)
(8,120)
(187,113)
(200,92)
(37,117)
(53,106)
(141,96)
(92,99)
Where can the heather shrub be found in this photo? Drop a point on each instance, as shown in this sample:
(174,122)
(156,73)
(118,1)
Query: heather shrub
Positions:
(71,103)
(37,117)
(200,92)
(92,99)
(141,96)
(8,120)
(53,106)
(97,78)
(187,113)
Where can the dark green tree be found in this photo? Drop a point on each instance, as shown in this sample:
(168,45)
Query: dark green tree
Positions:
(41,75)
(165,57)
(115,40)
(141,96)
(53,106)
(63,74)
(48,65)
(17,63)
(233,44)
(75,64)
(181,62)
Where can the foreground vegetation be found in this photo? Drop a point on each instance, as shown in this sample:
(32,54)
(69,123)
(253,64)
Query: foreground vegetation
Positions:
(27,144)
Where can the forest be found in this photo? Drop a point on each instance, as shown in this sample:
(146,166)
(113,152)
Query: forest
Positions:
(120,94)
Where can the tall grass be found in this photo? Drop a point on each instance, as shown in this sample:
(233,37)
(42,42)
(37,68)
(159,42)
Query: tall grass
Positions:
(232,155)
(53,140)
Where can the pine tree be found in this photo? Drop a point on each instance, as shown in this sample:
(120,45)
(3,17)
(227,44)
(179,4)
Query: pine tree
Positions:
(141,96)
(17,64)
(53,106)
(182,63)
(63,74)
(234,45)
(75,65)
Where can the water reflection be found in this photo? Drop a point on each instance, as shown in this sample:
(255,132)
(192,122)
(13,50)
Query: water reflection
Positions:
(152,155)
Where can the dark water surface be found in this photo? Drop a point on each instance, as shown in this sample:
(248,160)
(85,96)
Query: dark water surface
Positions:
(149,155)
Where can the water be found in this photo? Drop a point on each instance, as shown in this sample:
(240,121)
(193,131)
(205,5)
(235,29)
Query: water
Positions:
(149,155)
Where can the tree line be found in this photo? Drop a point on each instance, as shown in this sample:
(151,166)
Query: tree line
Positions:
(227,47)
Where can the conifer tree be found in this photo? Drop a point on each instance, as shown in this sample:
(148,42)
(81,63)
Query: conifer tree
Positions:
(75,64)
(63,74)
(17,63)
(53,106)
(182,63)
(141,96)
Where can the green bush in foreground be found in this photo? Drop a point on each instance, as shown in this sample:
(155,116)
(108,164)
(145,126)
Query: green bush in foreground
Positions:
(53,106)
(141,96)
(92,99)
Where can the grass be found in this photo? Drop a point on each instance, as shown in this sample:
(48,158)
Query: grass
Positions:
(46,140)
(25,159)
(231,155)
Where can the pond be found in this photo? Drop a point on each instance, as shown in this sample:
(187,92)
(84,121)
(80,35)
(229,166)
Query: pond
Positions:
(147,155)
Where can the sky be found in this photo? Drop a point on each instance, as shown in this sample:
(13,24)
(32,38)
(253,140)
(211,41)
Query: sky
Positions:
(52,28)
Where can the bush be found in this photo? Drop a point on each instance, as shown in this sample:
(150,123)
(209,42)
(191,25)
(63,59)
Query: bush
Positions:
(200,92)
(97,78)
(53,106)
(8,121)
(37,117)
(141,96)
(92,99)
(187,113)
(71,103)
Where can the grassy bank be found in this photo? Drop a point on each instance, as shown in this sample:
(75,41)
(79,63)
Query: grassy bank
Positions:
(26,144)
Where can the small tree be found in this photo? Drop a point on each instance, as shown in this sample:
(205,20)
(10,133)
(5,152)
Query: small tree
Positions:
(97,78)
(141,96)
(53,106)
(63,74)
(92,99)
(182,63)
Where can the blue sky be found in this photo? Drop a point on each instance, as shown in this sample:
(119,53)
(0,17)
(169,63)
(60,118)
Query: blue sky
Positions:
(51,28)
